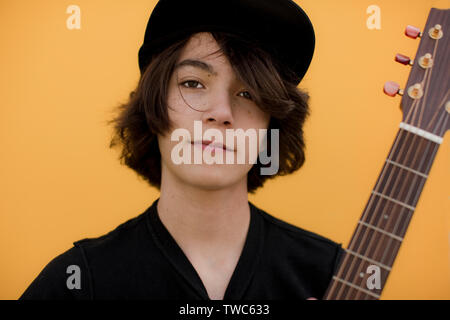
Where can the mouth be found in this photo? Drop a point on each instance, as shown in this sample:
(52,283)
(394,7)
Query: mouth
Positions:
(211,144)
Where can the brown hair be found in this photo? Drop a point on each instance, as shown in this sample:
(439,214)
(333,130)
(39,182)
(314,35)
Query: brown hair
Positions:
(272,87)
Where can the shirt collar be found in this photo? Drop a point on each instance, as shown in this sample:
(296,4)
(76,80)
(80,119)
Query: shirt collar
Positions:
(245,267)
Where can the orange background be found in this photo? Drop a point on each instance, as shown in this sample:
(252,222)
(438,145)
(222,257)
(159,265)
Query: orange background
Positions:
(59,181)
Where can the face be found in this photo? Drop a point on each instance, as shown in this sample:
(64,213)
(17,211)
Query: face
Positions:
(209,98)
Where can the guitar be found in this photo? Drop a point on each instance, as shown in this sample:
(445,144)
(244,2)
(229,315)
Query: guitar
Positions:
(425,104)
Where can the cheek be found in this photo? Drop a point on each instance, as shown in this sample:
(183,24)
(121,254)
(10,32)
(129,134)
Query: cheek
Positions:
(253,119)
(256,118)
(179,115)
(164,146)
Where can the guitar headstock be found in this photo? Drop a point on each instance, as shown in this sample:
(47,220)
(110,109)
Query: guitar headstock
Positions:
(426,101)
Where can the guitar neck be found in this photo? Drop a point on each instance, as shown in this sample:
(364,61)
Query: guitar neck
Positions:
(376,241)
(380,231)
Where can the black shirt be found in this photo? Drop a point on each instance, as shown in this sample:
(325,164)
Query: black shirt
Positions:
(141,260)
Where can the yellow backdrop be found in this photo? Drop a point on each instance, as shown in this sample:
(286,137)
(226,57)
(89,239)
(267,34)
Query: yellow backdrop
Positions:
(59,181)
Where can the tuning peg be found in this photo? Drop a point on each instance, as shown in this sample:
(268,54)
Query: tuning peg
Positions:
(392,88)
(412,32)
(436,32)
(403,59)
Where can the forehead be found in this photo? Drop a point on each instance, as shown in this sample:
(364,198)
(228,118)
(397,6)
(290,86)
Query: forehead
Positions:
(202,45)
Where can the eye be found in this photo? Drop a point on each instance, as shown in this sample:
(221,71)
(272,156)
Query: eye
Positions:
(192,84)
(248,95)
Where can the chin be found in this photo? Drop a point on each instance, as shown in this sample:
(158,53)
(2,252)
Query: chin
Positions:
(213,177)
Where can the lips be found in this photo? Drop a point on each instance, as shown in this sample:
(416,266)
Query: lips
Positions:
(210,143)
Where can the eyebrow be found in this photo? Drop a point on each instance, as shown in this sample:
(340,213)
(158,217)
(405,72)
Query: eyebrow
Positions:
(197,64)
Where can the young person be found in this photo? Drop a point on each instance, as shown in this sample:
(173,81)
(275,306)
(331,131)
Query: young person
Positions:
(221,65)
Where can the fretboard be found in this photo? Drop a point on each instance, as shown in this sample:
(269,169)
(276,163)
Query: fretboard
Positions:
(385,219)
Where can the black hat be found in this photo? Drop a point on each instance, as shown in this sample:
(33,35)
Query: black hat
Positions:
(279,26)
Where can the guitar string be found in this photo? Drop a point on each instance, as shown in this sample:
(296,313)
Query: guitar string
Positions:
(375,215)
(436,113)
(426,96)
(428,81)
(396,227)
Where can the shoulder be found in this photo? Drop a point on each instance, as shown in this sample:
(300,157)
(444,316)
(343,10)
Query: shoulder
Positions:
(292,231)
(312,249)
(303,261)
(69,275)
(52,281)
(118,239)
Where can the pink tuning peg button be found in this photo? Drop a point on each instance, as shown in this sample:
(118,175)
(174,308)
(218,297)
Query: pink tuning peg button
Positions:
(392,88)
(412,32)
(402,59)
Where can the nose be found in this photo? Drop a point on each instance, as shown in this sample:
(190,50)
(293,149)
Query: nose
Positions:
(220,111)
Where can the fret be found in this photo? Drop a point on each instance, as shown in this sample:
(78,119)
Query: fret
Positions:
(406,168)
(368,259)
(361,273)
(413,151)
(375,245)
(356,287)
(380,230)
(387,215)
(393,200)
(403,185)
(425,134)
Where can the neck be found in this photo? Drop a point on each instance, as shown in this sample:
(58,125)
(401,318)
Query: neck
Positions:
(201,217)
